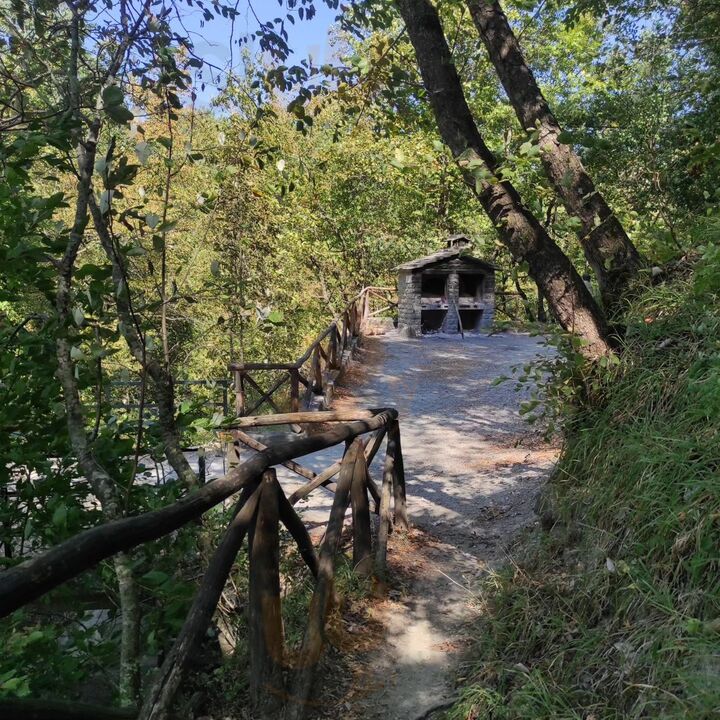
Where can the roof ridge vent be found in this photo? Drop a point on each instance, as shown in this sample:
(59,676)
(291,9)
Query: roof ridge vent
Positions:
(458,242)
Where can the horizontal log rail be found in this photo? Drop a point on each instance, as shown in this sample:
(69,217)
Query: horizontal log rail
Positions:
(276,686)
(311,378)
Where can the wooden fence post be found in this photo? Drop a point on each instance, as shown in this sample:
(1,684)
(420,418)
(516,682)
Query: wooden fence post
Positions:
(362,538)
(385,510)
(316,378)
(239,393)
(294,389)
(366,308)
(265,630)
(314,638)
(160,694)
(333,348)
(346,329)
(401,518)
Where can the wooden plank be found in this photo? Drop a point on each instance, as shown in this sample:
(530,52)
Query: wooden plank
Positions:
(301,360)
(278,384)
(265,397)
(265,631)
(320,416)
(314,638)
(374,445)
(381,310)
(34,577)
(251,442)
(261,366)
(325,477)
(362,538)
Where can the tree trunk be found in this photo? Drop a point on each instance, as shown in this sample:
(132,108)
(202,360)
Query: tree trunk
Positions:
(608,250)
(519,230)
(163,381)
(102,484)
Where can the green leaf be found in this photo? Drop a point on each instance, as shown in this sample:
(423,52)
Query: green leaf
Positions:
(120,114)
(59,517)
(155,577)
(78,315)
(112,95)
(143,151)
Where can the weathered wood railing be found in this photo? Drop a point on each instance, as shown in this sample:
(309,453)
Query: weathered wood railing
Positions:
(262,505)
(296,385)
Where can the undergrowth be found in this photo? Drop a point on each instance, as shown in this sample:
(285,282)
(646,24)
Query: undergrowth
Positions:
(612,607)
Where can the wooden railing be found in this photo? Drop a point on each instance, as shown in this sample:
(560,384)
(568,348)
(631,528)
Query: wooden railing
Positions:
(262,505)
(298,385)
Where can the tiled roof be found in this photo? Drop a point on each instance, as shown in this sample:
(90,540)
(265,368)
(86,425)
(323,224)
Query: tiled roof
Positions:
(441,256)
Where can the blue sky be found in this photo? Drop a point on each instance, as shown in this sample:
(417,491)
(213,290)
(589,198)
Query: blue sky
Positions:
(212,38)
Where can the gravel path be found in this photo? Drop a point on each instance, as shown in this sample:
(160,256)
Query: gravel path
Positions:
(473,468)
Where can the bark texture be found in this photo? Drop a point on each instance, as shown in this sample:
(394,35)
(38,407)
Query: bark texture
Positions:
(519,230)
(607,247)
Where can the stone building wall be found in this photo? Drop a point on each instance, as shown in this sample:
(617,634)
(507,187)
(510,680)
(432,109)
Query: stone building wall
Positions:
(410,296)
(409,301)
(450,324)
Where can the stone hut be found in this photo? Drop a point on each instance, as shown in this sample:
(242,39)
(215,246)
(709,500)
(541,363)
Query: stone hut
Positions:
(447,291)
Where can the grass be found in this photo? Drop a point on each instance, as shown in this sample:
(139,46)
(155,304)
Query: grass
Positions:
(612,610)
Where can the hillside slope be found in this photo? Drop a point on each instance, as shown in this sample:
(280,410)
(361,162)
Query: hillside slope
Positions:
(612,609)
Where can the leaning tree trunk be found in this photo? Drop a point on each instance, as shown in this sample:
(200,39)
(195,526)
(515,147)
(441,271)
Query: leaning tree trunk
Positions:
(608,250)
(101,483)
(519,230)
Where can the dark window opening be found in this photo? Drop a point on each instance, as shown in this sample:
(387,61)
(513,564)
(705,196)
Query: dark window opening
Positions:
(432,320)
(433,286)
(471,286)
(471,320)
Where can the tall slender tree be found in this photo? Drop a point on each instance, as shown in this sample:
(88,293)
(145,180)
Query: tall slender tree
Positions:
(519,230)
(607,247)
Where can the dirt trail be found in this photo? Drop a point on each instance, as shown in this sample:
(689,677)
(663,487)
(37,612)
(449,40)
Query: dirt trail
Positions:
(473,468)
